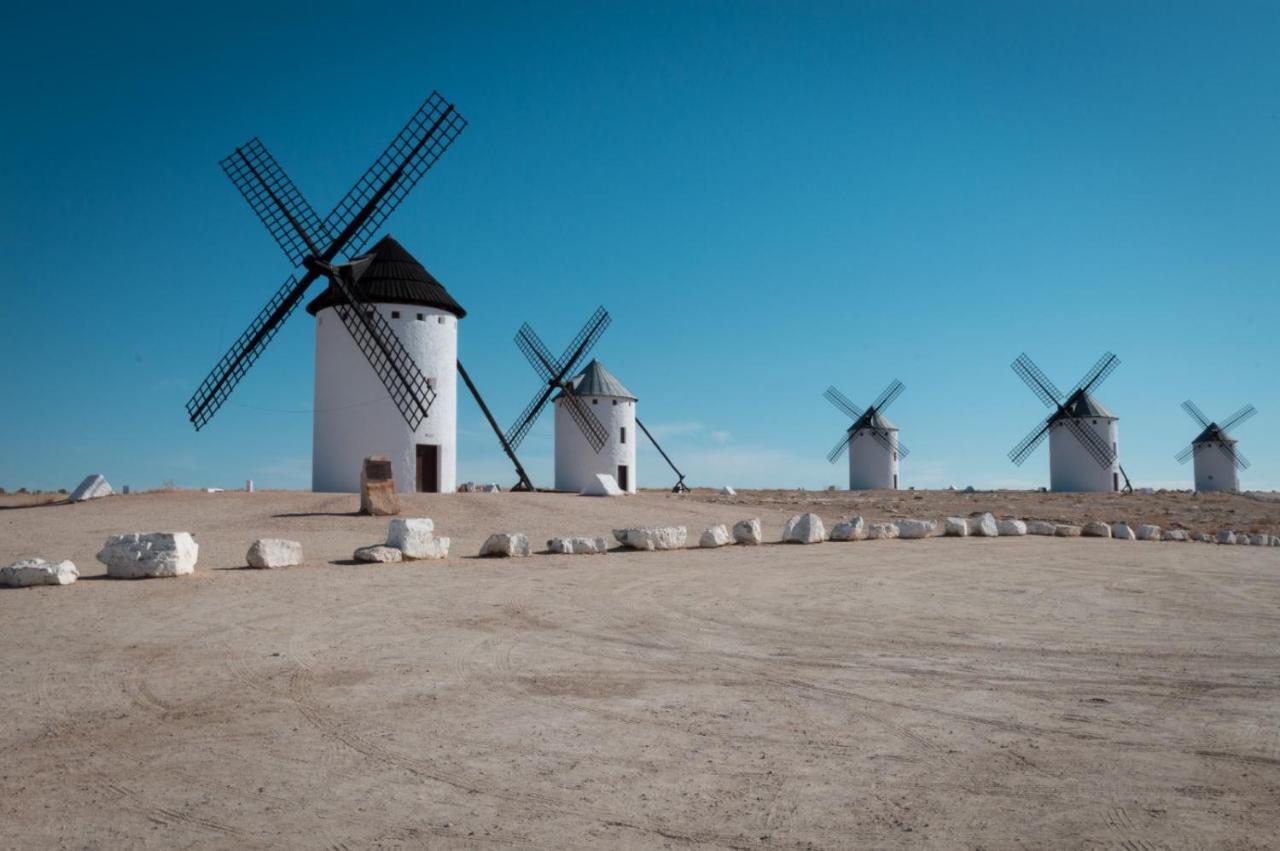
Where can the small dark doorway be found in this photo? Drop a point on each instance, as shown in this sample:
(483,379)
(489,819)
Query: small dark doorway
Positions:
(622,477)
(1115,481)
(895,481)
(428,468)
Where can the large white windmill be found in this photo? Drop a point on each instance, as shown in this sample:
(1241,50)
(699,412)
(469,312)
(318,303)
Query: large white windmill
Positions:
(874,448)
(1083,436)
(1218,459)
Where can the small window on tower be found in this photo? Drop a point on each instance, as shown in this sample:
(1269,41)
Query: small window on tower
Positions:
(441,320)
(595,401)
(422,317)
(615,402)
(624,434)
(395,314)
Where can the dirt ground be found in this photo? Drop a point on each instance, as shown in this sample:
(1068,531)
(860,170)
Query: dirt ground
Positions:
(975,693)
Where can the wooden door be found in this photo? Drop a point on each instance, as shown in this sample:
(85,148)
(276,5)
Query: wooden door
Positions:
(428,468)
(622,477)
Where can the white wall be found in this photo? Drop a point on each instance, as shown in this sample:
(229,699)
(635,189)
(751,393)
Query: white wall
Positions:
(355,417)
(1215,471)
(577,462)
(871,465)
(1073,468)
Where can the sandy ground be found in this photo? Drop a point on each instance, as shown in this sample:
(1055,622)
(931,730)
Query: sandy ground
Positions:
(979,693)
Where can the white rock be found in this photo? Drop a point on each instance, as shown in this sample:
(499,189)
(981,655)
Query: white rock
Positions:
(578,546)
(37,571)
(1173,535)
(412,536)
(506,545)
(877,531)
(1258,540)
(955,527)
(853,529)
(602,484)
(984,526)
(274,552)
(748,531)
(653,537)
(1122,532)
(728,491)
(716,536)
(804,529)
(492,487)
(1010,526)
(138,555)
(1203,538)
(916,528)
(379,553)
(214,490)
(1226,536)
(1097,529)
(1148,532)
(1066,530)
(1041,527)
(91,488)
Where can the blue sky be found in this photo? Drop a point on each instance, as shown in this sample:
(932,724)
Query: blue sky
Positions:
(768,197)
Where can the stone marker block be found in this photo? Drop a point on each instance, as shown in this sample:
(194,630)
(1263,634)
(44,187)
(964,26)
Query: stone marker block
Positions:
(378,496)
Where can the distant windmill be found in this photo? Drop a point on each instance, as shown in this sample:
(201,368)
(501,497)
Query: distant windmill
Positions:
(1083,436)
(400,322)
(873,459)
(1218,460)
(595,428)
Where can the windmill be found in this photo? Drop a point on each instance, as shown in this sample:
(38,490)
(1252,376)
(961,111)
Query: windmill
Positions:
(873,463)
(410,363)
(1218,460)
(1083,436)
(595,428)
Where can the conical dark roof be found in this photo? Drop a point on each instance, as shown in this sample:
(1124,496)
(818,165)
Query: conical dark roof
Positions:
(1082,405)
(394,277)
(872,419)
(595,380)
(1214,434)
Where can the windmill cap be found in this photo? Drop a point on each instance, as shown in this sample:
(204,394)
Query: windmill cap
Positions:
(873,419)
(1214,434)
(394,277)
(1081,404)
(595,380)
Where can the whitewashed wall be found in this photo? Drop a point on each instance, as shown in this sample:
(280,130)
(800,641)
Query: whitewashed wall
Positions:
(1073,468)
(355,417)
(577,463)
(871,465)
(1214,470)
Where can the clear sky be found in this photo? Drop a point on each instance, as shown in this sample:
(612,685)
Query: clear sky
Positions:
(768,197)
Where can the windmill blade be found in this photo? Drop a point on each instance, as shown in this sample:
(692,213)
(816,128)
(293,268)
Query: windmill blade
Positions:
(1195,413)
(886,397)
(583,342)
(903,451)
(275,200)
(842,402)
(1239,417)
(1028,444)
(1035,378)
(1185,455)
(588,423)
(520,428)
(1236,456)
(245,351)
(882,437)
(536,352)
(839,448)
(410,155)
(1089,439)
(1094,377)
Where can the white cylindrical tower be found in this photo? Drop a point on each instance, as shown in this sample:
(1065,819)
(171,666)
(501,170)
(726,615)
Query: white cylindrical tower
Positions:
(1215,469)
(577,461)
(355,416)
(1072,467)
(872,465)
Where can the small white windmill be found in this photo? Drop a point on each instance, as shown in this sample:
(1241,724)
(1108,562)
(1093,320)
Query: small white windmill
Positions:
(873,459)
(1218,459)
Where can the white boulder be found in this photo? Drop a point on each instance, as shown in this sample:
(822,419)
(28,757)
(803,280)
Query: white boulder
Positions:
(1226,536)
(716,536)
(1122,532)
(728,491)
(1259,540)
(1012,527)
(415,537)
(378,553)
(1148,532)
(91,488)
(578,546)
(274,552)
(916,528)
(1096,529)
(984,526)
(37,571)
(602,484)
(955,527)
(1173,535)
(505,545)
(877,531)
(153,554)
(1041,527)
(652,537)
(804,528)
(853,529)
(1067,530)
(1203,538)
(748,531)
